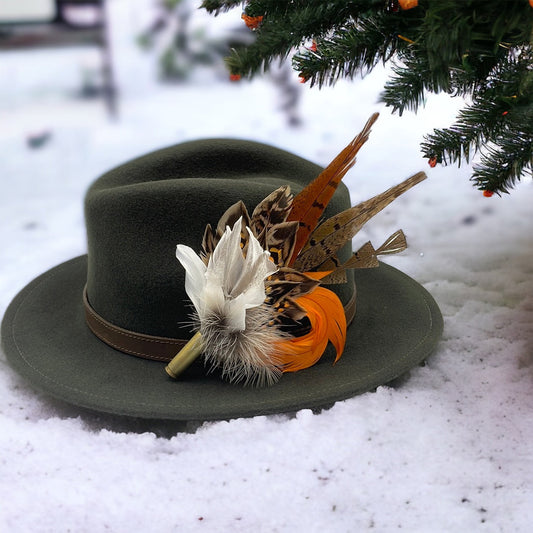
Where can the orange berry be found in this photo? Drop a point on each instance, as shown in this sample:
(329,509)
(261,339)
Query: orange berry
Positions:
(252,22)
(408,4)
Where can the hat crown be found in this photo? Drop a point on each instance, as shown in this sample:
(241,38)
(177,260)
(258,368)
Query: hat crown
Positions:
(137,213)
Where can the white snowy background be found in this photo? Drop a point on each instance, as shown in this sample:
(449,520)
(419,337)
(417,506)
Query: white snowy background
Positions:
(449,449)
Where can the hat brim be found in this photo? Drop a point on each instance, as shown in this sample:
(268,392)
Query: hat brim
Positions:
(45,338)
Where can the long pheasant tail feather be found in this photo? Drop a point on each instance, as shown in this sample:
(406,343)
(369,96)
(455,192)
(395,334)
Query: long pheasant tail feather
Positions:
(309,204)
(339,229)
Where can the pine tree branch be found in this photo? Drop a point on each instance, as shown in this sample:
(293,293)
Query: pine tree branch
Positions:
(406,88)
(280,10)
(289,25)
(475,126)
(355,49)
(220,6)
(503,164)
(498,124)
(276,37)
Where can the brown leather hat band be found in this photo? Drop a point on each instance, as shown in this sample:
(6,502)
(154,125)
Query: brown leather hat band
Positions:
(139,344)
(150,346)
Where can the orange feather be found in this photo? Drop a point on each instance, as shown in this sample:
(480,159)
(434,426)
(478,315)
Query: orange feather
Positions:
(328,323)
(309,204)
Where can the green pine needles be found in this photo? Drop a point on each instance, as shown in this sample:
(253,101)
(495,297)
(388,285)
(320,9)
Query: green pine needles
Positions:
(481,50)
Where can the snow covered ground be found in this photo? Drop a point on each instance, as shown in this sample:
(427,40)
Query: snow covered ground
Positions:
(449,449)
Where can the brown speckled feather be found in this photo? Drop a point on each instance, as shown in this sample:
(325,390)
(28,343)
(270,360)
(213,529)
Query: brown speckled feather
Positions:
(331,235)
(280,240)
(273,210)
(365,257)
(395,244)
(309,204)
(231,215)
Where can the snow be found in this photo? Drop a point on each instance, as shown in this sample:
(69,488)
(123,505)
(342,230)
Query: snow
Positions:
(446,449)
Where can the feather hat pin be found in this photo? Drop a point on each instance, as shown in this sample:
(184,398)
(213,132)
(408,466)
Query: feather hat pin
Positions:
(259,307)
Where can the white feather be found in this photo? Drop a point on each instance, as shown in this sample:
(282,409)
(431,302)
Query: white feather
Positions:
(229,296)
(231,283)
(194,274)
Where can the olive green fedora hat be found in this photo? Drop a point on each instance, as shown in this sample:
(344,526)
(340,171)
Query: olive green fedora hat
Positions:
(131,283)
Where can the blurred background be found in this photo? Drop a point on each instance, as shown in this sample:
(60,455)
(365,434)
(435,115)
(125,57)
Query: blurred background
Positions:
(117,63)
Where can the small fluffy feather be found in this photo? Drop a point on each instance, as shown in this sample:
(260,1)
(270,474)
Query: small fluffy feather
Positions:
(228,295)
(247,355)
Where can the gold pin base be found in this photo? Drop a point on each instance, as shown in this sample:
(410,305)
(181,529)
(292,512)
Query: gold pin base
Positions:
(185,356)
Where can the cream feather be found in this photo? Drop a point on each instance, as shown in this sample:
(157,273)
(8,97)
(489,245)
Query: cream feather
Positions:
(228,295)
